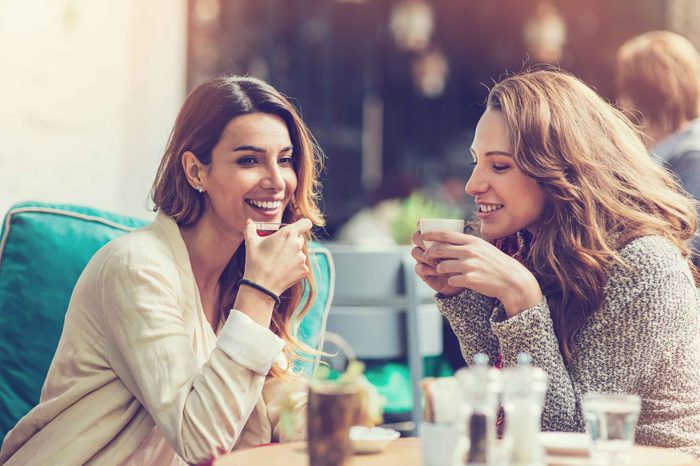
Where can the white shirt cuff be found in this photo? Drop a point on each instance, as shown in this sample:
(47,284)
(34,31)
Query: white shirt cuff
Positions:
(248,343)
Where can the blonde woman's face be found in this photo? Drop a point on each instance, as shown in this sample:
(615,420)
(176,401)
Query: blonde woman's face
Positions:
(507,200)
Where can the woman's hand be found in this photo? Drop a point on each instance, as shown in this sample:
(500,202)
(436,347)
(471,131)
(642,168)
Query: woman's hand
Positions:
(425,269)
(276,261)
(470,262)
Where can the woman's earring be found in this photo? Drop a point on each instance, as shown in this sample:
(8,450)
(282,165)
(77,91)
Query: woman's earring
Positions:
(199,188)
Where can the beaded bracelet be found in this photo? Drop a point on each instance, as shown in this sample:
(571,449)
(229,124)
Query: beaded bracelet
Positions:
(262,289)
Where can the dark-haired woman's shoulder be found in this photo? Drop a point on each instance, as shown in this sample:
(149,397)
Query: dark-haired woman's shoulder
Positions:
(131,261)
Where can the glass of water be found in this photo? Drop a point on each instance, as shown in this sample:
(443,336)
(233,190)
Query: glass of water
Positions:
(611,419)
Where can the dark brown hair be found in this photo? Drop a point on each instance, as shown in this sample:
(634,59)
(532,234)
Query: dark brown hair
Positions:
(198,128)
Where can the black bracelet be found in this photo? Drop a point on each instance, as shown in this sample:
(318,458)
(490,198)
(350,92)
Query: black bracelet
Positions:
(262,289)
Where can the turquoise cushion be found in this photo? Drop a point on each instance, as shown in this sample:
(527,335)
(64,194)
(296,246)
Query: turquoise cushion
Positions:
(313,326)
(43,250)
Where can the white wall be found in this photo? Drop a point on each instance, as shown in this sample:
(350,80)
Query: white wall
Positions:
(89,90)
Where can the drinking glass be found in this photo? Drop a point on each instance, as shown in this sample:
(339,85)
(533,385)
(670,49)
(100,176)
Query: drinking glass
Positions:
(611,419)
(332,409)
(268,228)
(439,443)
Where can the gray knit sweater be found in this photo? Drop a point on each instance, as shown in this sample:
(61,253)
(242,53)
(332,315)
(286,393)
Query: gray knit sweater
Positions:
(644,339)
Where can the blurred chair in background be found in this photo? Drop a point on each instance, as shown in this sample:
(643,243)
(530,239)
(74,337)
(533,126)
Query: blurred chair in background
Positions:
(388,316)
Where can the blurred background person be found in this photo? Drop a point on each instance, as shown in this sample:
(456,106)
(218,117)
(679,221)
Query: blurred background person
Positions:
(658,82)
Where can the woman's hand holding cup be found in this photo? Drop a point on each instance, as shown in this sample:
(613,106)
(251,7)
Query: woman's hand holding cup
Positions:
(426,267)
(276,261)
(470,262)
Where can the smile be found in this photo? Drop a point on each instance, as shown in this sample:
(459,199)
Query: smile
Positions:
(264,205)
(485,208)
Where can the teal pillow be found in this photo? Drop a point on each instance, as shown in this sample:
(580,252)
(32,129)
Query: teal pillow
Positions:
(313,326)
(43,250)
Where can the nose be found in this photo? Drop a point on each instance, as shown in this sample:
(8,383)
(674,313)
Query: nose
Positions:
(477,183)
(273,179)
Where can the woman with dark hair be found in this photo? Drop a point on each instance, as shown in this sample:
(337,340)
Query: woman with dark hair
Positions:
(179,336)
(583,260)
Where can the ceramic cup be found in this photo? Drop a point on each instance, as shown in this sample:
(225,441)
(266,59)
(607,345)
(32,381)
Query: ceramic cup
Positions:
(440,224)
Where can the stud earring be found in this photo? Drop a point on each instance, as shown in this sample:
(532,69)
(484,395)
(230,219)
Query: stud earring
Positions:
(199,188)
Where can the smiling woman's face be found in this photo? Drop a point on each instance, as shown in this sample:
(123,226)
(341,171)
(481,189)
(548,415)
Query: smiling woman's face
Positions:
(507,200)
(251,174)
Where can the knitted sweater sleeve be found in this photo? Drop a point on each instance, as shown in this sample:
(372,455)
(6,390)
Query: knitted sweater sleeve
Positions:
(468,314)
(532,332)
(648,312)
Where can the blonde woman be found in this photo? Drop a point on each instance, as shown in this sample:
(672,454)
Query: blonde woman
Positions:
(178,335)
(583,259)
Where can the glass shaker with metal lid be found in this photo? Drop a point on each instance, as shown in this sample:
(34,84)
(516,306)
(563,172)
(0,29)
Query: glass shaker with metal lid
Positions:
(524,389)
(481,388)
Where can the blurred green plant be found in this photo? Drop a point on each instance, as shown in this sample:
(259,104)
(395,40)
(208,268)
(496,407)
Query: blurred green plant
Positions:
(372,402)
(412,209)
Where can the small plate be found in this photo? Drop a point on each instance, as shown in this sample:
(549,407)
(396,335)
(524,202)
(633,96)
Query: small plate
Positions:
(565,443)
(371,439)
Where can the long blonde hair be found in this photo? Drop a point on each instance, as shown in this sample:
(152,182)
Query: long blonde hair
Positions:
(602,189)
(198,128)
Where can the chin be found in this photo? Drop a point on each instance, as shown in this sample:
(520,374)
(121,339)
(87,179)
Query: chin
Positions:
(492,234)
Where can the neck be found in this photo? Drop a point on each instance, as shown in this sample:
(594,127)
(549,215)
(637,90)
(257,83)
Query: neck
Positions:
(210,250)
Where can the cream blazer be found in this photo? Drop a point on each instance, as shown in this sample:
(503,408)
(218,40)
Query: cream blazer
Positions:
(140,377)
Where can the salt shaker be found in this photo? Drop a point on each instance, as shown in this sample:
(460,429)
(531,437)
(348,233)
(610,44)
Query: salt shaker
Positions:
(524,390)
(481,387)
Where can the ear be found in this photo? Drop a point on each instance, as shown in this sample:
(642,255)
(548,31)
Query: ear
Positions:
(195,171)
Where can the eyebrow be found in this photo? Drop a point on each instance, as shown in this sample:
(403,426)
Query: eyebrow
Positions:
(260,149)
(491,152)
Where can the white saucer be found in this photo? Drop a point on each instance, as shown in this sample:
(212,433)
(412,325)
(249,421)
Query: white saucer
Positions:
(565,443)
(371,440)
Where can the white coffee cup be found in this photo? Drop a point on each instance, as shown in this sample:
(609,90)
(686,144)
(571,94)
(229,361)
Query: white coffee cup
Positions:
(440,224)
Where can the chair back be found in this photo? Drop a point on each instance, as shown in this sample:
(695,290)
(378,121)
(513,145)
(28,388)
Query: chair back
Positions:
(43,250)
(384,311)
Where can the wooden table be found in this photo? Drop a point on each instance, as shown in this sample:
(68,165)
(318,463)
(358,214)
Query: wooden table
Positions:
(407,452)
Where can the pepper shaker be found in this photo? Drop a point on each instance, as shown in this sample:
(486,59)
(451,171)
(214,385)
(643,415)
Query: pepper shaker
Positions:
(481,388)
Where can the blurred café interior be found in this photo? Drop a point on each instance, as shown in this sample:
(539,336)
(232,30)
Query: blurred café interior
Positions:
(392,89)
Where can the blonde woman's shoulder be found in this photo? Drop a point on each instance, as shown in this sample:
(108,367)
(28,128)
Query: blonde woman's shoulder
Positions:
(651,251)
(651,262)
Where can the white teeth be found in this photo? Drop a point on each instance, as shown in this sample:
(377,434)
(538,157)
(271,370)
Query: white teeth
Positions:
(267,205)
(489,207)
